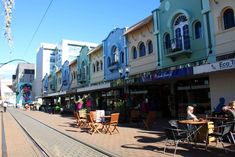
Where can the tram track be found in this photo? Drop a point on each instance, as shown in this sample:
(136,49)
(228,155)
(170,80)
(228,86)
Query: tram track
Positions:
(41,150)
(46,151)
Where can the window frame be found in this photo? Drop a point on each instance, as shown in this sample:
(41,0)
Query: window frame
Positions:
(142,49)
(227,20)
(150,49)
(134,53)
(197,30)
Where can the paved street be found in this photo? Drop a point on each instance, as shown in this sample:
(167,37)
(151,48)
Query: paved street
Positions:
(131,141)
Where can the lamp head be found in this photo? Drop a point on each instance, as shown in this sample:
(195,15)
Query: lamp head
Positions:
(127,70)
(120,70)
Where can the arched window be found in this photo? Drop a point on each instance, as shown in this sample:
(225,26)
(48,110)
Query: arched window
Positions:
(83,70)
(109,61)
(167,41)
(93,68)
(150,47)
(181,30)
(134,52)
(122,57)
(142,50)
(97,66)
(75,74)
(229,20)
(198,30)
(115,56)
(101,65)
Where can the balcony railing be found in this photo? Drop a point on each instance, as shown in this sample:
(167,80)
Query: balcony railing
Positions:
(178,47)
(113,66)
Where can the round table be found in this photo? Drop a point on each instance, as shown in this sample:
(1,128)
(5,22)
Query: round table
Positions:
(193,122)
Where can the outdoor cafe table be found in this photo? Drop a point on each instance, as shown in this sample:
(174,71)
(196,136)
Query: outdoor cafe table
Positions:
(195,132)
(105,121)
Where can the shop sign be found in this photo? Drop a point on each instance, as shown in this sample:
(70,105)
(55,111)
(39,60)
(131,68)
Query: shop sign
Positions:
(217,66)
(56,94)
(71,91)
(155,75)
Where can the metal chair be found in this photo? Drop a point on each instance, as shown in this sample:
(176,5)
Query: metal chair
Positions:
(175,125)
(220,134)
(173,135)
(232,137)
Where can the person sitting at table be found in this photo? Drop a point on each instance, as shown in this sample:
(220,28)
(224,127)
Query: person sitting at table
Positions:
(190,114)
(229,110)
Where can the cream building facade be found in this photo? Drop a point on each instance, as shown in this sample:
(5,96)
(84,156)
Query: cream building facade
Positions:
(73,73)
(141,47)
(222,72)
(96,65)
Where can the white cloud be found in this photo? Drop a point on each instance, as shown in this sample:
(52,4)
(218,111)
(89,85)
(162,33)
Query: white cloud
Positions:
(8,70)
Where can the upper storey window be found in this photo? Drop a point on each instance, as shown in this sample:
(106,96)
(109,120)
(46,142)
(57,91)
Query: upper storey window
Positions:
(198,30)
(134,52)
(93,67)
(114,54)
(142,50)
(101,65)
(181,31)
(83,70)
(228,18)
(167,41)
(97,66)
(150,47)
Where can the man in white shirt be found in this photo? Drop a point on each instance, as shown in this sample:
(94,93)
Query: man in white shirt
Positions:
(190,114)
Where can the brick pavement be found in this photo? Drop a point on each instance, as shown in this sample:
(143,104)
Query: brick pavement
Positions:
(130,142)
(54,143)
(17,142)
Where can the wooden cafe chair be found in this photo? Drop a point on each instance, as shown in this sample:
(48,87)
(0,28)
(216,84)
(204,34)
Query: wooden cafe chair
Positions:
(112,123)
(79,120)
(95,127)
(150,119)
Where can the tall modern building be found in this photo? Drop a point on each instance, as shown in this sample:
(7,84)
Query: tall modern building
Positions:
(50,55)
(44,63)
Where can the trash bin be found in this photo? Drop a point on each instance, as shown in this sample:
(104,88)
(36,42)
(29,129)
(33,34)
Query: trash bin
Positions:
(5,109)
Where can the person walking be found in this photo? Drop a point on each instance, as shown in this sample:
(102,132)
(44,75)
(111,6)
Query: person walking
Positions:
(4,106)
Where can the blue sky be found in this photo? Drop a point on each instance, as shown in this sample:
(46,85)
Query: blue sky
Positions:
(83,20)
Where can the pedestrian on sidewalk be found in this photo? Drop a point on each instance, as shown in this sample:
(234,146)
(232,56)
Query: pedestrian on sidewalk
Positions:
(4,106)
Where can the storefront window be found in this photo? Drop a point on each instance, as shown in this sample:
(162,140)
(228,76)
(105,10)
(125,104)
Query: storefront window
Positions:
(195,91)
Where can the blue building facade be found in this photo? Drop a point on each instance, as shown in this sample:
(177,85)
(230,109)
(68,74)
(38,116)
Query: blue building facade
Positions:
(115,55)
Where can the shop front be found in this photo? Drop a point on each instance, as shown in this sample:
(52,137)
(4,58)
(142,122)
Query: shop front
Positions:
(221,77)
(160,88)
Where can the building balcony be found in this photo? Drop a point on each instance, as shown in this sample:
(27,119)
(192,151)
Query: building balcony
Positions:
(178,47)
(113,66)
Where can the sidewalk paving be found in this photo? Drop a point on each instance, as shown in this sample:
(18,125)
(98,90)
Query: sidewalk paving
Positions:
(130,142)
(17,142)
